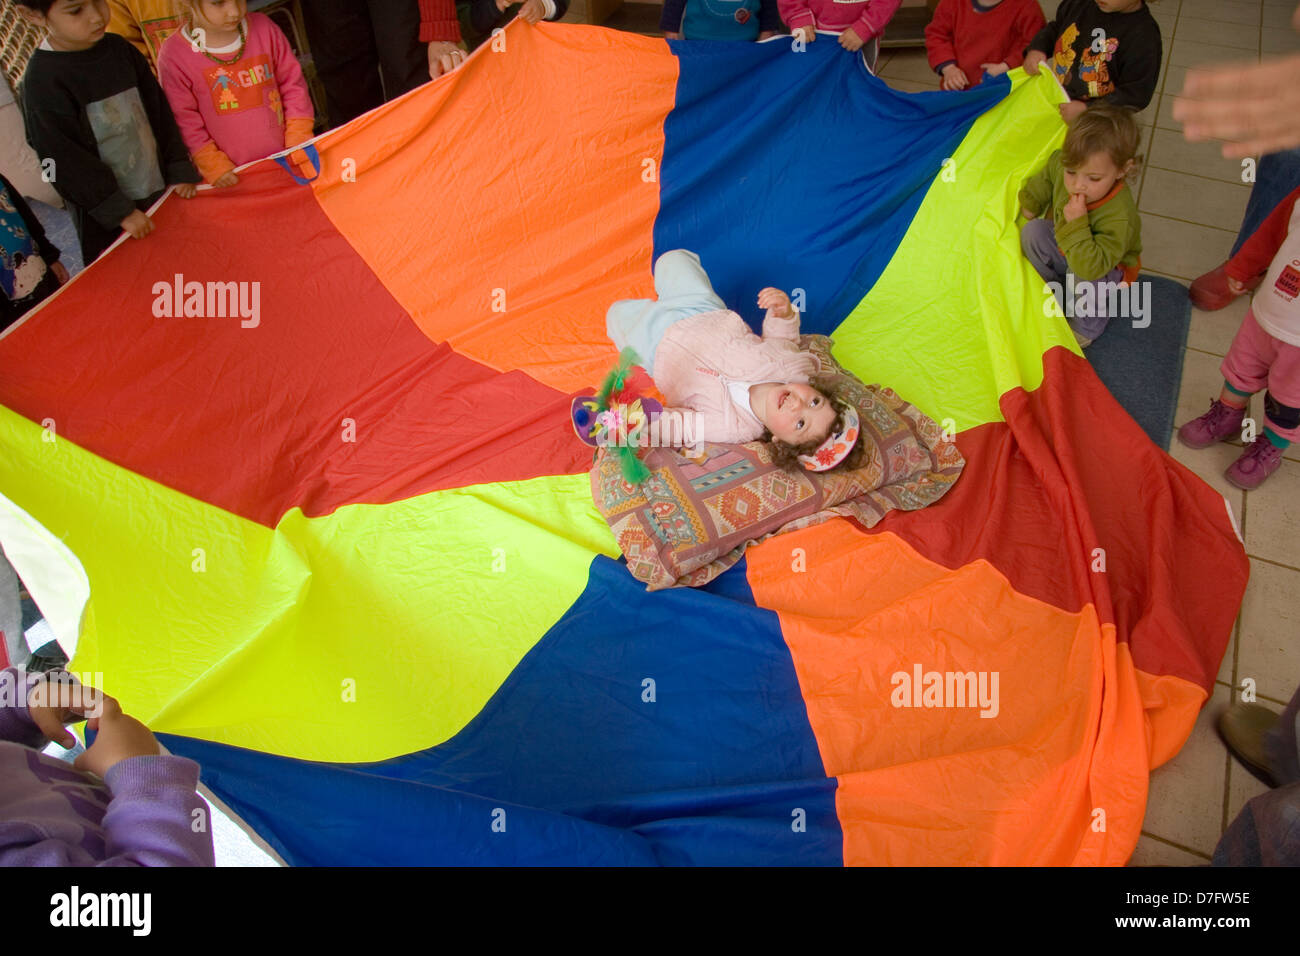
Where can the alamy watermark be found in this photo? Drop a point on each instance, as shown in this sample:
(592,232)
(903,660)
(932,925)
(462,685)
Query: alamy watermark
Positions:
(54,688)
(1119,300)
(208,300)
(669,428)
(946,689)
(77,908)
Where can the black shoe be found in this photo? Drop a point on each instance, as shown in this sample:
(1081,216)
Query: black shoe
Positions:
(49,657)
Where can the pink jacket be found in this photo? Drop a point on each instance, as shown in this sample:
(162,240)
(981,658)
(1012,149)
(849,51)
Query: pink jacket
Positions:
(698,356)
(867,17)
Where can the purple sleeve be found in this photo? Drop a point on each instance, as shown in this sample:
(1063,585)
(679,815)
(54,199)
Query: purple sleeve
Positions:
(15,724)
(156,818)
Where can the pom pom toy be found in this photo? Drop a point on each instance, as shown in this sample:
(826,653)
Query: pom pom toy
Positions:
(616,417)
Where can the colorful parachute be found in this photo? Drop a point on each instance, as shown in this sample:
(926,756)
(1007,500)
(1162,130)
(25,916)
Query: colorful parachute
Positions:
(340,545)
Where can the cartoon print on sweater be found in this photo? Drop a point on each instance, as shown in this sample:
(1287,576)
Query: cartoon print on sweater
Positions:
(241,88)
(1063,57)
(1093,72)
(27,271)
(223,93)
(1288,280)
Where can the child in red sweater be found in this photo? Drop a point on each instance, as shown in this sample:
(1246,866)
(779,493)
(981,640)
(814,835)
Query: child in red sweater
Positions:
(967,38)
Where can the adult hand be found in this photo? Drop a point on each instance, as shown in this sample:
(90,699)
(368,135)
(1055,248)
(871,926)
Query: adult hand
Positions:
(994,69)
(186,190)
(850,40)
(118,737)
(1072,110)
(1034,58)
(531,11)
(138,225)
(443,58)
(953,78)
(775,300)
(1076,207)
(60,272)
(1253,108)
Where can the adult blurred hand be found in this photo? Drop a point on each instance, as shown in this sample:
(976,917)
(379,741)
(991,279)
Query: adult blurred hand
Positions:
(1253,107)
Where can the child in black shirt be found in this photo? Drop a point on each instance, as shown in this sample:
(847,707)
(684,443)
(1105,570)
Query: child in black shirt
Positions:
(99,123)
(1102,51)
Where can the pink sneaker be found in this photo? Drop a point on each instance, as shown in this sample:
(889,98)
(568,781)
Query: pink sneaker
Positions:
(1260,459)
(1220,422)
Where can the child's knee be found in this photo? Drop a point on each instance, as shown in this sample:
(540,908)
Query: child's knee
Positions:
(1284,416)
(676,258)
(614,327)
(1033,234)
(678,270)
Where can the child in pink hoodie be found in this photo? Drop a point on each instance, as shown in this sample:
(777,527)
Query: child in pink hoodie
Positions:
(858,22)
(235,87)
(726,383)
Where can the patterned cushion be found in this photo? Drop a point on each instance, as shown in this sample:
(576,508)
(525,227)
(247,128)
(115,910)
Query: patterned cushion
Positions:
(698,511)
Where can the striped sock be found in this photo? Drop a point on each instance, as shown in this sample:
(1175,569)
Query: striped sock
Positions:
(1277,440)
(1234,397)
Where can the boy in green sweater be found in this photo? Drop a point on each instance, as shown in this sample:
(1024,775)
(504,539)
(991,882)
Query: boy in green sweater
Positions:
(1083,234)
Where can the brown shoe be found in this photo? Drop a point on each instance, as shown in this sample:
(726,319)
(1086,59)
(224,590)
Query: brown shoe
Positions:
(1242,727)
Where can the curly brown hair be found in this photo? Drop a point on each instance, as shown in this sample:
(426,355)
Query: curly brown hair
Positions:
(787,456)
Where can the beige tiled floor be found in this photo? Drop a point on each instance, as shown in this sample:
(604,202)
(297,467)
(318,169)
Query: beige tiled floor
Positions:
(1192,200)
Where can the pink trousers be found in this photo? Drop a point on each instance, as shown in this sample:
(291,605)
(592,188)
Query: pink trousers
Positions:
(1258,361)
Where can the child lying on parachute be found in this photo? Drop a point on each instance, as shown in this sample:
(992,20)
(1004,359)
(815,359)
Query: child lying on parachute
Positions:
(778,436)
(724,383)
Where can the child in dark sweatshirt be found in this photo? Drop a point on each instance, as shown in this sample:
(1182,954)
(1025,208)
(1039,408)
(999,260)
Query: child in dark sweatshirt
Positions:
(122,804)
(1102,51)
(99,123)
